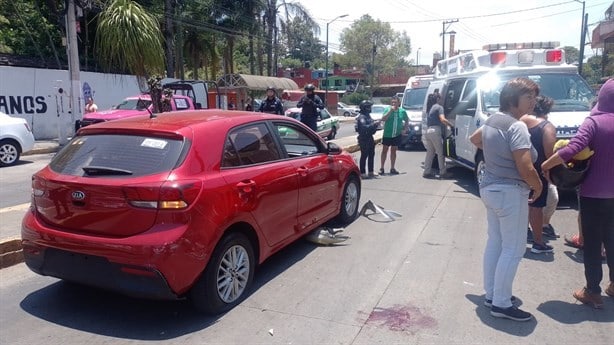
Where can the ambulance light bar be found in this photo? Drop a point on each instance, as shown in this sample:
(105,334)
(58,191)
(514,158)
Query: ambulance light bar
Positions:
(524,45)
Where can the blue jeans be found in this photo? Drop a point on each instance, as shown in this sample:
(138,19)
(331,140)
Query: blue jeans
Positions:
(507,212)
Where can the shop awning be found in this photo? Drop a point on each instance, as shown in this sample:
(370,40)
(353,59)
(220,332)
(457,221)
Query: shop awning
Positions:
(255,82)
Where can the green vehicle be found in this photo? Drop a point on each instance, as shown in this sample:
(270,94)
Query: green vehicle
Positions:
(327,124)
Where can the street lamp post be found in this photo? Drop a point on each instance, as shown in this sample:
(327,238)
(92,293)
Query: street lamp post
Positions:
(326,70)
(418,57)
(582,38)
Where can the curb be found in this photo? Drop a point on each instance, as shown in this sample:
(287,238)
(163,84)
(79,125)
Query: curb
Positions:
(11,251)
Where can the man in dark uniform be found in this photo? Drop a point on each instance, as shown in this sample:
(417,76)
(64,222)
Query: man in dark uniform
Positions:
(366,127)
(271,104)
(310,104)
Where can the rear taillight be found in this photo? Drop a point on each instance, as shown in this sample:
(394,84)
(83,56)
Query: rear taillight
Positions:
(38,187)
(171,195)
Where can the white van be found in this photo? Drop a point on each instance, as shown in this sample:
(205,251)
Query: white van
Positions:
(470,84)
(413,102)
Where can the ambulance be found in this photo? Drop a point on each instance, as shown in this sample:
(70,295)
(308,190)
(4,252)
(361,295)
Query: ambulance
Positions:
(413,101)
(470,84)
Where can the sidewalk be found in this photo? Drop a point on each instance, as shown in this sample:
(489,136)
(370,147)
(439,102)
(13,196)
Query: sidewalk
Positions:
(10,229)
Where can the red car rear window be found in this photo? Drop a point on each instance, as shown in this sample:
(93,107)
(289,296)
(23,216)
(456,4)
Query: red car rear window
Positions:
(117,155)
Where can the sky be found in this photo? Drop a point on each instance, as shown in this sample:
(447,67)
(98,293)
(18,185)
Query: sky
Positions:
(479,22)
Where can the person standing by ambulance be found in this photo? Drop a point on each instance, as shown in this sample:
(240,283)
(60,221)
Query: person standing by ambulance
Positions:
(396,123)
(433,138)
(366,127)
(271,104)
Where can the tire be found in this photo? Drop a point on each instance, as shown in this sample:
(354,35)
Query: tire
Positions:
(347,113)
(479,168)
(350,200)
(332,134)
(10,151)
(234,251)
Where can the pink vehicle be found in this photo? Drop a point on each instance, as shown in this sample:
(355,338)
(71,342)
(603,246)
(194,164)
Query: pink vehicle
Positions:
(133,106)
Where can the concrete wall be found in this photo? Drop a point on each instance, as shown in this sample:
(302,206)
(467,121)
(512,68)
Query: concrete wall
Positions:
(34,94)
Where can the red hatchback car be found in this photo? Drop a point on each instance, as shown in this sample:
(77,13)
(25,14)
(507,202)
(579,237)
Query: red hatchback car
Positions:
(184,204)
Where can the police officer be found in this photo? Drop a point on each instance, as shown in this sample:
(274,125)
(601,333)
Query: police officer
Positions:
(271,104)
(310,104)
(366,127)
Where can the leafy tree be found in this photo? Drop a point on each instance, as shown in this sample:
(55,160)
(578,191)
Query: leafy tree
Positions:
(129,37)
(374,46)
(572,54)
(304,45)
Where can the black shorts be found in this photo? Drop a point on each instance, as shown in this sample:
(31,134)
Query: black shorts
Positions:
(391,141)
(543,197)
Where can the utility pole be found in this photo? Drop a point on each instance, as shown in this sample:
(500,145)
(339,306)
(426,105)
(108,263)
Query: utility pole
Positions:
(443,35)
(72,49)
(582,37)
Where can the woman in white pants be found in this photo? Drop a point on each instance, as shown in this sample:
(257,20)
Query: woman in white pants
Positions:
(509,177)
(433,139)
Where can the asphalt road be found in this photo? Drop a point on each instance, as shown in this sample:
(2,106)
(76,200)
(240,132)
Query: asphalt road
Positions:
(415,280)
(15,180)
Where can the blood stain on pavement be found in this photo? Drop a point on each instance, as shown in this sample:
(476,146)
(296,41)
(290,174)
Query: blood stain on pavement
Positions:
(401,318)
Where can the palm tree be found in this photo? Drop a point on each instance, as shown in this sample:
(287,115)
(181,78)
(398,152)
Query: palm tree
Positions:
(274,22)
(128,38)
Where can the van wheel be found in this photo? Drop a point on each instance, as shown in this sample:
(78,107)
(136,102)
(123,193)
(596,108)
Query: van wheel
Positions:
(349,201)
(227,277)
(479,168)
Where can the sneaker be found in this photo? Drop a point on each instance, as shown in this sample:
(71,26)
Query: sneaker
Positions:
(381,171)
(538,248)
(365,176)
(529,235)
(592,299)
(610,290)
(548,231)
(428,175)
(488,302)
(393,171)
(512,313)
(371,175)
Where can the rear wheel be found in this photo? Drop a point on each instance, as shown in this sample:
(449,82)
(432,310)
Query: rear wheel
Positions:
(9,152)
(349,201)
(227,277)
(347,113)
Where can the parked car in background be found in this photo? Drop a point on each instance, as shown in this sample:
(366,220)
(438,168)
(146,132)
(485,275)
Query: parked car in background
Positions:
(186,204)
(15,138)
(328,125)
(346,110)
(377,112)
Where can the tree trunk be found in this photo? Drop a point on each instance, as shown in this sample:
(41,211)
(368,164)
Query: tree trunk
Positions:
(269,35)
(169,10)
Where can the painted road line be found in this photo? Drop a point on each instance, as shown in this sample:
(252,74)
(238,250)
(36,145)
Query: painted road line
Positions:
(21,207)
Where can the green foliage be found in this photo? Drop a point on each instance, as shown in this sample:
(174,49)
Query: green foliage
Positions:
(302,43)
(291,63)
(572,54)
(129,38)
(374,44)
(354,97)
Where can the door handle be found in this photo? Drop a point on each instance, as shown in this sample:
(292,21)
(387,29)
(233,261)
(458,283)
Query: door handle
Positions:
(246,186)
(303,171)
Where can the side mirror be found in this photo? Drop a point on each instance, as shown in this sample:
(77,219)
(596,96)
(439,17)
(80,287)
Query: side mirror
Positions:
(333,149)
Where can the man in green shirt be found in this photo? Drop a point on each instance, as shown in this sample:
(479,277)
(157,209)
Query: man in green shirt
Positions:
(396,123)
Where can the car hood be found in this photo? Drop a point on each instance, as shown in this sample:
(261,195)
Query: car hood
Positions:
(567,122)
(113,114)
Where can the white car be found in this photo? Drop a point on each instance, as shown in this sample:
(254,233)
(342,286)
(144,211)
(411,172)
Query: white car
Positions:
(15,138)
(346,110)
(377,112)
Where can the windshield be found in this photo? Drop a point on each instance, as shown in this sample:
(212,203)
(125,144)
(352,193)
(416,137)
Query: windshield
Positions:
(378,109)
(134,104)
(414,98)
(569,91)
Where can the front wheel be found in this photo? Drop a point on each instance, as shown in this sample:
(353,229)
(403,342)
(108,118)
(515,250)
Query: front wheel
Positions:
(349,201)
(227,277)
